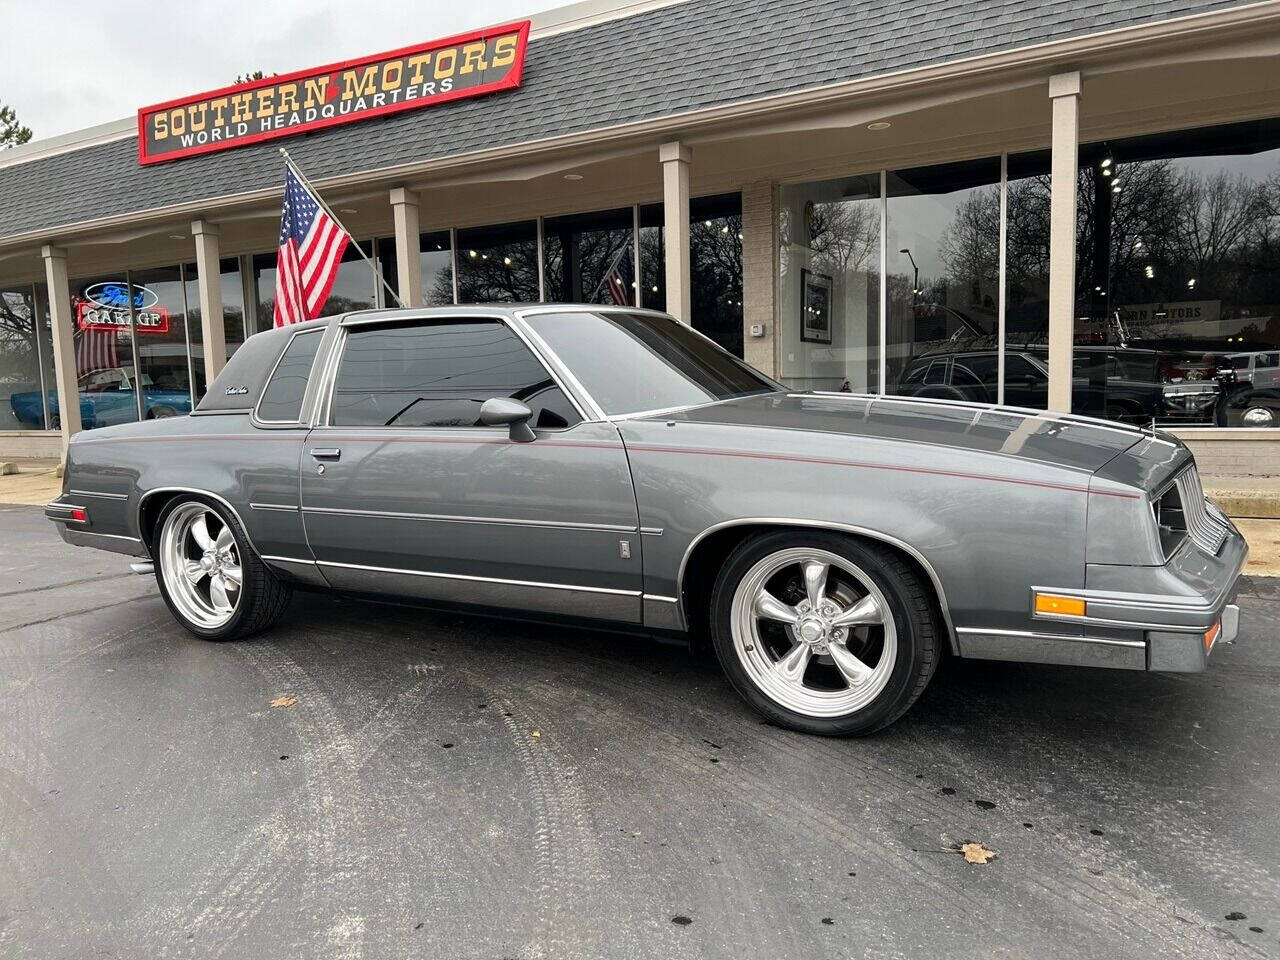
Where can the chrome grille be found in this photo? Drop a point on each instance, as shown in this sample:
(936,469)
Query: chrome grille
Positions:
(1206,532)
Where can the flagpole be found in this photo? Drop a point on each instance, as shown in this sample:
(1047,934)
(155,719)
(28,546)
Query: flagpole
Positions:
(612,267)
(334,217)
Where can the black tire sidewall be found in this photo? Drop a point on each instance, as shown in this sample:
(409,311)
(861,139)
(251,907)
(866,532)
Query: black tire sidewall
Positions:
(903,684)
(236,625)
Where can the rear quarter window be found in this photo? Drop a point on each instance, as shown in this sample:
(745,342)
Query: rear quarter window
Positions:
(282,397)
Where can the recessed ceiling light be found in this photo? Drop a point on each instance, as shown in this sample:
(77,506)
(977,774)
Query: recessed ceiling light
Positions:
(348,210)
(573,176)
(879,125)
(177,236)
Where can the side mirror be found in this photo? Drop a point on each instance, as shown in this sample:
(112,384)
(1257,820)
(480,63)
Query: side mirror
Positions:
(502,411)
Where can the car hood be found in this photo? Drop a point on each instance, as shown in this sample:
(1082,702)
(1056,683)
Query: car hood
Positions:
(1078,443)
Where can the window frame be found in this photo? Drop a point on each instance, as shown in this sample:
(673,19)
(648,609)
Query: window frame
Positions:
(446,314)
(301,419)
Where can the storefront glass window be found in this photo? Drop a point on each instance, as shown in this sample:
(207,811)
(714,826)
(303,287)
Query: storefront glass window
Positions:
(235,323)
(653,258)
(715,268)
(352,290)
(1026,310)
(829,295)
(103,340)
(436,262)
(589,258)
(715,265)
(943,278)
(498,264)
(1178,278)
(22,401)
(160,313)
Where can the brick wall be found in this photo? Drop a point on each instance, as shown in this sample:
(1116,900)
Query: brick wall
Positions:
(1234,456)
(29,443)
(760,273)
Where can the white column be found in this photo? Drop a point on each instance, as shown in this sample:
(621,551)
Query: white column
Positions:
(1064,91)
(675,159)
(404,206)
(213,332)
(64,348)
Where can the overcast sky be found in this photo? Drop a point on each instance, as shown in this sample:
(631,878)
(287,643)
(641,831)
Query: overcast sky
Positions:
(69,64)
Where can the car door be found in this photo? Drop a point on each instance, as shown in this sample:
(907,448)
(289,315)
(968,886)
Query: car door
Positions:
(405,493)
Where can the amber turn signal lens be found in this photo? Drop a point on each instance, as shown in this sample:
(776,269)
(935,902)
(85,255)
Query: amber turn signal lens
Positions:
(1211,635)
(1062,606)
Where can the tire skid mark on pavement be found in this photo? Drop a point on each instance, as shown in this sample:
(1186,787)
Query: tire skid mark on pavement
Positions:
(1229,864)
(336,845)
(1090,904)
(733,897)
(66,584)
(1091,900)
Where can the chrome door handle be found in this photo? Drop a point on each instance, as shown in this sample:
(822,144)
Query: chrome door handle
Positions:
(326,453)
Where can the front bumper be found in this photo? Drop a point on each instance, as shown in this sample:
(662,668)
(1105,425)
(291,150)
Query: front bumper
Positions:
(1167,619)
(1183,652)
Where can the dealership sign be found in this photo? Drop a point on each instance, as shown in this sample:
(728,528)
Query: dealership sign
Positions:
(105,306)
(464,66)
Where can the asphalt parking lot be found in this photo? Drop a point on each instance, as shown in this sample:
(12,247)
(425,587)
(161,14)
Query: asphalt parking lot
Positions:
(458,788)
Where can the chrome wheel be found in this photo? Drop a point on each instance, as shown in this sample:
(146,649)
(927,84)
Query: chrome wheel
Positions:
(1257,417)
(200,563)
(813,632)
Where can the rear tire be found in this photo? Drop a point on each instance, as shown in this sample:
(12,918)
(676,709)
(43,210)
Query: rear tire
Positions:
(824,633)
(210,578)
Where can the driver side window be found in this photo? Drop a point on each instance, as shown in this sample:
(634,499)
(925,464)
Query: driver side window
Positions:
(437,373)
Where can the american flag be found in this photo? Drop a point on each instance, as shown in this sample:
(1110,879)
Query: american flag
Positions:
(96,351)
(311,248)
(620,289)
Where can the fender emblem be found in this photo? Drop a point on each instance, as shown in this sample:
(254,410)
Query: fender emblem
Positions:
(236,391)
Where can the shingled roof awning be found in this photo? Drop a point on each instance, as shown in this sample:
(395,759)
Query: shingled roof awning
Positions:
(667,61)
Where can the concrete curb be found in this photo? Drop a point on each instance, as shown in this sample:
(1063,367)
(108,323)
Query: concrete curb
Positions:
(1252,497)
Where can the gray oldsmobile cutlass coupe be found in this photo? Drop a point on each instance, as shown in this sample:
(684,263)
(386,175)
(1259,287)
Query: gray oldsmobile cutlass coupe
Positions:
(612,465)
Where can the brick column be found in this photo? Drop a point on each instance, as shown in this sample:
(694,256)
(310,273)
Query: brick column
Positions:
(760,274)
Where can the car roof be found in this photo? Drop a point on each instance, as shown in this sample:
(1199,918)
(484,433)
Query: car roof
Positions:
(486,310)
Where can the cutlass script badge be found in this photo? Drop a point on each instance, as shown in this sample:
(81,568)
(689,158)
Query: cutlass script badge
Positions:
(405,79)
(237,391)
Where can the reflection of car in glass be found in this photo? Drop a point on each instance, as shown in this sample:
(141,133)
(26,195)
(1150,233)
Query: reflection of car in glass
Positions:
(1260,368)
(1132,391)
(1253,408)
(613,465)
(106,398)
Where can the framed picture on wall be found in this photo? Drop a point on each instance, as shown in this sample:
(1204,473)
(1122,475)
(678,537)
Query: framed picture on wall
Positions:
(815,307)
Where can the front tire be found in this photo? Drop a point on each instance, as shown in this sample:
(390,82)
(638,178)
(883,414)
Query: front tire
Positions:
(822,632)
(210,578)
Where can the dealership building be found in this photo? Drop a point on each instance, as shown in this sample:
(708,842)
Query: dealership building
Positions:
(1063,204)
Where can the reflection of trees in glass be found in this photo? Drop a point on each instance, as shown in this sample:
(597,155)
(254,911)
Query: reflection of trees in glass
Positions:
(969,250)
(502,274)
(844,236)
(594,252)
(18,356)
(1169,225)
(715,267)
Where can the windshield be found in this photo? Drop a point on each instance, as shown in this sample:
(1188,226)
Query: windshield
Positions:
(631,362)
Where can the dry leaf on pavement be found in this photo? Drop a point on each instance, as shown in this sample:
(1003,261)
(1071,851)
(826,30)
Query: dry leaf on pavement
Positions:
(537,734)
(284,701)
(974,853)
